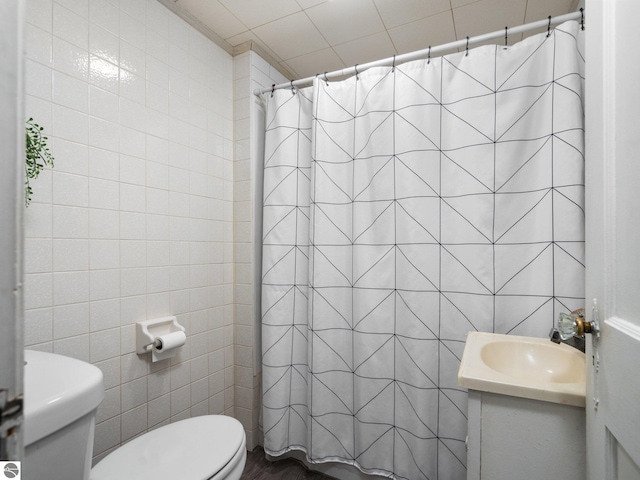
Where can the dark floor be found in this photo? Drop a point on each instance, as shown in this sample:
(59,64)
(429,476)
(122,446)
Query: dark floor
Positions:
(259,468)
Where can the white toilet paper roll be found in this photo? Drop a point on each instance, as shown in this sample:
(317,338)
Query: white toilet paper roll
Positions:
(167,345)
(171,340)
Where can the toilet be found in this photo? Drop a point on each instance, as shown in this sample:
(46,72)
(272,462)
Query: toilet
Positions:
(62,395)
(199,448)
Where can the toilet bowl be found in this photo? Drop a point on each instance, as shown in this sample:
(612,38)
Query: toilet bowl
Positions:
(62,395)
(210,447)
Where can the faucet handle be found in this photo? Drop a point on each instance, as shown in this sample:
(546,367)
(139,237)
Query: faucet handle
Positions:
(554,335)
(567,327)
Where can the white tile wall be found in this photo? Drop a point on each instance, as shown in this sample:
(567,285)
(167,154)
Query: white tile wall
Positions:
(135,220)
(250,72)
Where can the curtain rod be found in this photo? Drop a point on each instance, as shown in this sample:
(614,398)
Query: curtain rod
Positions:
(420,54)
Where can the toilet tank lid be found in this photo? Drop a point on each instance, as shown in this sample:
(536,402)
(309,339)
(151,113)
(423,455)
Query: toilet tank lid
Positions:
(192,449)
(58,390)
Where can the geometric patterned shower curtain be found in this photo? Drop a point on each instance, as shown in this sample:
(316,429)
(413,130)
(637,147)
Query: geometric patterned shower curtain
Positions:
(403,209)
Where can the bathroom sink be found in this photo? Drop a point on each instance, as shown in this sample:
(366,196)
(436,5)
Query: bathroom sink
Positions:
(525,367)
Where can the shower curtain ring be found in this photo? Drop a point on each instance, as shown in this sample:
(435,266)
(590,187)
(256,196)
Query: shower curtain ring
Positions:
(326,79)
(356,69)
(549,27)
(429,55)
(505,37)
(582,18)
(293,92)
(467,54)
(273,87)
(393,65)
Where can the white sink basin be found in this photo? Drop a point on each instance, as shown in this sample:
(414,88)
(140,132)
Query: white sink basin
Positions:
(525,367)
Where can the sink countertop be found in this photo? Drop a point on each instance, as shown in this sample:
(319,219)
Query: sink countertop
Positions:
(526,367)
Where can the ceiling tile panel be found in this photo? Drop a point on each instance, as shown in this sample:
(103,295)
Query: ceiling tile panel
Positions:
(310,3)
(342,21)
(395,13)
(324,60)
(413,36)
(215,16)
(291,36)
(310,36)
(461,3)
(488,16)
(241,38)
(366,49)
(541,9)
(254,13)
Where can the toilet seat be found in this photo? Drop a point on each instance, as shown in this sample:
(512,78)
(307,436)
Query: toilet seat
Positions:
(197,448)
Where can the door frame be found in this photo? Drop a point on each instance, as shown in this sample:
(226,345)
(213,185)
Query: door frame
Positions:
(612,230)
(11,202)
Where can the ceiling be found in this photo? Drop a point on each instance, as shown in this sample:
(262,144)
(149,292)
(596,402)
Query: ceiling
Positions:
(305,37)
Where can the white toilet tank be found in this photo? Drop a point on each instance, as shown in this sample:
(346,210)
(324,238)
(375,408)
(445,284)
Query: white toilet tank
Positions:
(61,396)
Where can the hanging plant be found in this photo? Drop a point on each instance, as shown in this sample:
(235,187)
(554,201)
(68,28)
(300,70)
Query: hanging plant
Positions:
(37,155)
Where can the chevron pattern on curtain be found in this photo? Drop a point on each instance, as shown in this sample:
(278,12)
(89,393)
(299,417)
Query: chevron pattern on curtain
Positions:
(402,210)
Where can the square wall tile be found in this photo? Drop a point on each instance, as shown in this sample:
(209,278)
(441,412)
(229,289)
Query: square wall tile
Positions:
(139,108)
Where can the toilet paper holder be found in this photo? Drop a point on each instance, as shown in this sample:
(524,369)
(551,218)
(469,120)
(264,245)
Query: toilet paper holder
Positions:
(150,332)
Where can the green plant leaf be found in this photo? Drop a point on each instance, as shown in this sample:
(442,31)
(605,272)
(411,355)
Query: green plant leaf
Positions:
(37,155)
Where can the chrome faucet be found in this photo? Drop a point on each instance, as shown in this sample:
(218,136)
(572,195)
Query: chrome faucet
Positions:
(571,329)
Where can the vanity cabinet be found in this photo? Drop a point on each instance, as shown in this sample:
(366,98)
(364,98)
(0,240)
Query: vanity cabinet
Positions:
(512,438)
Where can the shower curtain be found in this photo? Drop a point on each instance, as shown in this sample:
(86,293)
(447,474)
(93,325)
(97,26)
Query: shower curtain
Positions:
(402,209)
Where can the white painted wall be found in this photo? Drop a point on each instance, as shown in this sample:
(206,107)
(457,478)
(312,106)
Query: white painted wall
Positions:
(136,219)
